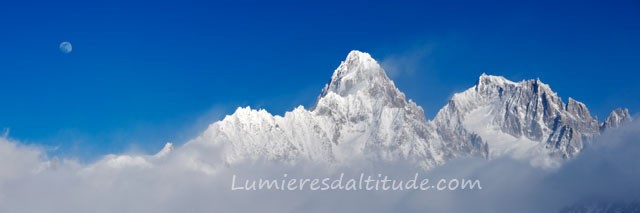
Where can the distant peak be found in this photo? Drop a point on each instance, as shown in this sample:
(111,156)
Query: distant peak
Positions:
(616,118)
(621,112)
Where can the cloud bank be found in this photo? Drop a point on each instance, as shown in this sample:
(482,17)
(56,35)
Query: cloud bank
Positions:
(191,179)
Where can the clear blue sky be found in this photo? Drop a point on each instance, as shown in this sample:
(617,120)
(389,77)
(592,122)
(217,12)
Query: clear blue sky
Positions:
(141,74)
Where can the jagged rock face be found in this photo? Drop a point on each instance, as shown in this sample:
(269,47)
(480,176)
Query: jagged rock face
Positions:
(527,109)
(359,114)
(616,118)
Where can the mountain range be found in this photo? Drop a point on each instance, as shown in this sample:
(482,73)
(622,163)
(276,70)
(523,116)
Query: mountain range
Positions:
(361,115)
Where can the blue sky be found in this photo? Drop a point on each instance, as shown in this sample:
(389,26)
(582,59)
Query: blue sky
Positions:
(141,74)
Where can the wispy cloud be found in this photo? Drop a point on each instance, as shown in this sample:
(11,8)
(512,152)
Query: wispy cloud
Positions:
(407,62)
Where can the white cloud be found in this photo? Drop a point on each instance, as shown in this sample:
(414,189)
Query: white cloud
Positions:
(408,62)
(190,179)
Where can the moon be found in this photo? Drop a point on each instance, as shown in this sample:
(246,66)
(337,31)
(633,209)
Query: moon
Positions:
(66,47)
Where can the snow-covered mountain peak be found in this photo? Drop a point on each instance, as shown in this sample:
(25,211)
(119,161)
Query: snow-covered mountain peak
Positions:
(359,72)
(358,66)
(492,80)
(356,56)
(529,110)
